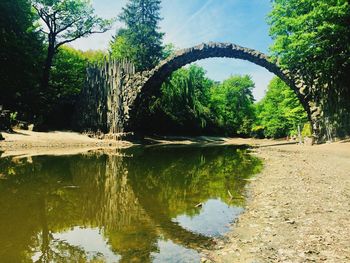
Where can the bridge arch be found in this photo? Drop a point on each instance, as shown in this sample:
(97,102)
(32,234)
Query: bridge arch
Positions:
(148,83)
(155,77)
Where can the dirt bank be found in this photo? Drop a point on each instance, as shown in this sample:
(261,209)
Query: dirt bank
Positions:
(29,143)
(298,210)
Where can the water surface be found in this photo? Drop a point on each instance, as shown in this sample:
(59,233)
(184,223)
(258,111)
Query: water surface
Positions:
(144,204)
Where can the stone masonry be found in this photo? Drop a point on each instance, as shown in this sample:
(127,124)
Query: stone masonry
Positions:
(138,87)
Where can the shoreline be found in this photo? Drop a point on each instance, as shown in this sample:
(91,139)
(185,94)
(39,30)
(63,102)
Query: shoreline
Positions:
(23,143)
(297,207)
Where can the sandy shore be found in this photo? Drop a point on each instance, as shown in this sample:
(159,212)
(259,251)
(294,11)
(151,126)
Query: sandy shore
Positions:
(298,208)
(29,143)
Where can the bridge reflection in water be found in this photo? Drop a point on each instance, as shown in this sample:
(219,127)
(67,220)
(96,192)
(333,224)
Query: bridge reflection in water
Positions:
(138,205)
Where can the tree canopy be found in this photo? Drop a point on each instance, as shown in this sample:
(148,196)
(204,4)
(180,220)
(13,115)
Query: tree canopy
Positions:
(232,105)
(280,112)
(20,56)
(140,41)
(66,21)
(312,39)
(191,103)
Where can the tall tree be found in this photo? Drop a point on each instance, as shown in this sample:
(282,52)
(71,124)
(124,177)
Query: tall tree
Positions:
(280,112)
(232,105)
(67,79)
(20,56)
(182,106)
(140,40)
(66,21)
(312,39)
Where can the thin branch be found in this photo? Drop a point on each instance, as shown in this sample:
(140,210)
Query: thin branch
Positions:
(79,36)
(43,31)
(43,15)
(66,27)
(54,22)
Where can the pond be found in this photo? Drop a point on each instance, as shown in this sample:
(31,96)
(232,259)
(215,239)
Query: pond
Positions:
(143,204)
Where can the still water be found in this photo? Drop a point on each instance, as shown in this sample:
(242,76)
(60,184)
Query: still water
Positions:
(144,204)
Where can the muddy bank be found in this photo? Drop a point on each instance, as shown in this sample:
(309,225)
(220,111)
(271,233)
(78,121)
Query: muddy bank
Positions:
(298,208)
(29,143)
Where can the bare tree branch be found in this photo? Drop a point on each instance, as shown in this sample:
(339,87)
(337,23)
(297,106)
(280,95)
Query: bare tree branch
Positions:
(79,36)
(66,27)
(43,31)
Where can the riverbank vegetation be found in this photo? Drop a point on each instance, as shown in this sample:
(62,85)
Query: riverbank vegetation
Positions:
(41,76)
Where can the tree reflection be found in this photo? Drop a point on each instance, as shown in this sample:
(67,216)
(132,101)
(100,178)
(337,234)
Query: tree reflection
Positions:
(133,201)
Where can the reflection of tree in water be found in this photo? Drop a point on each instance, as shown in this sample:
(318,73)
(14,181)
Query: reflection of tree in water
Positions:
(111,204)
(176,179)
(132,200)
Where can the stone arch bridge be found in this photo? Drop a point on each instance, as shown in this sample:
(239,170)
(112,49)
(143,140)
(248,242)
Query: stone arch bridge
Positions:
(133,89)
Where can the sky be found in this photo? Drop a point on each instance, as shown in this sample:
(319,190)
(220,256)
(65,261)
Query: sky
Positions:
(187,23)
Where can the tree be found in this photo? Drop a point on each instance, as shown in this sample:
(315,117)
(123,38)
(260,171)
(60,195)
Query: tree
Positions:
(231,104)
(20,56)
(121,49)
(66,21)
(312,39)
(95,56)
(183,106)
(140,41)
(67,79)
(280,112)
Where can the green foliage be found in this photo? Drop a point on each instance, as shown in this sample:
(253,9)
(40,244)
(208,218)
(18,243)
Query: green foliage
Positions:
(68,20)
(65,21)
(232,105)
(67,80)
(280,112)
(140,41)
(184,102)
(191,103)
(168,50)
(95,56)
(68,72)
(312,39)
(20,57)
(120,48)
(13,117)
(257,132)
(307,130)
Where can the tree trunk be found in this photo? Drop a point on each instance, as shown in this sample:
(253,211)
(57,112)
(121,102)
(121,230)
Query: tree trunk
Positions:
(48,63)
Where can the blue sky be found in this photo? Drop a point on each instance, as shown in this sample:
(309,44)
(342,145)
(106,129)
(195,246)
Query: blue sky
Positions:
(190,22)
